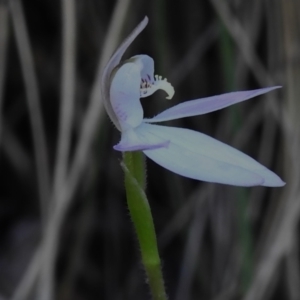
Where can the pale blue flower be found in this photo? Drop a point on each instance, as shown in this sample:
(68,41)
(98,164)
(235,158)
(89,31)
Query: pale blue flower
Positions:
(182,151)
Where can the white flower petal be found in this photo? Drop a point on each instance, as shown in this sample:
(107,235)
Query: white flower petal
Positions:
(150,83)
(206,105)
(125,96)
(195,155)
(146,64)
(112,63)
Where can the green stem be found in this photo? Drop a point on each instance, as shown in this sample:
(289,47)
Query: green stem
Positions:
(140,212)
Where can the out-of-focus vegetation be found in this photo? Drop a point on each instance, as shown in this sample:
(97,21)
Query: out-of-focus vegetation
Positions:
(65,231)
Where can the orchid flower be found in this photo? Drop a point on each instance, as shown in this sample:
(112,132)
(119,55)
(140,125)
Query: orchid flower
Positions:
(182,151)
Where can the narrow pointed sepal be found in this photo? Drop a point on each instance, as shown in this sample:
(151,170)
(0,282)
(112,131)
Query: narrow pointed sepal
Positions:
(207,105)
(195,155)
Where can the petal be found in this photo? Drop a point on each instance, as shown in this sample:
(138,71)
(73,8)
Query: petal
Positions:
(112,63)
(195,155)
(206,105)
(131,141)
(150,83)
(125,96)
(147,66)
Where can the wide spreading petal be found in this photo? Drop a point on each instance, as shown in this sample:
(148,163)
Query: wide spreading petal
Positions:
(195,155)
(112,63)
(206,105)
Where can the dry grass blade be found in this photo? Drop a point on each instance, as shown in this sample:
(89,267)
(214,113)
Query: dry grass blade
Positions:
(181,218)
(29,278)
(192,249)
(46,286)
(33,98)
(64,195)
(17,155)
(243,42)
(95,109)
(194,55)
(67,92)
(291,42)
(280,238)
(292,269)
(213,245)
(277,248)
(253,29)
(277,244)
(3,52)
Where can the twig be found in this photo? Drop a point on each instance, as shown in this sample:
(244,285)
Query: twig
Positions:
(33,98)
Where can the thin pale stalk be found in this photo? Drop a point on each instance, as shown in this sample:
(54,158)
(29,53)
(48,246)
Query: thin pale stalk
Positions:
(33,98)
(46,286)
(67,91)
(49,250)
(141,216)
(63,197)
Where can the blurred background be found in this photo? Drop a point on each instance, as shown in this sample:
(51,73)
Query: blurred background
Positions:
(65,231)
